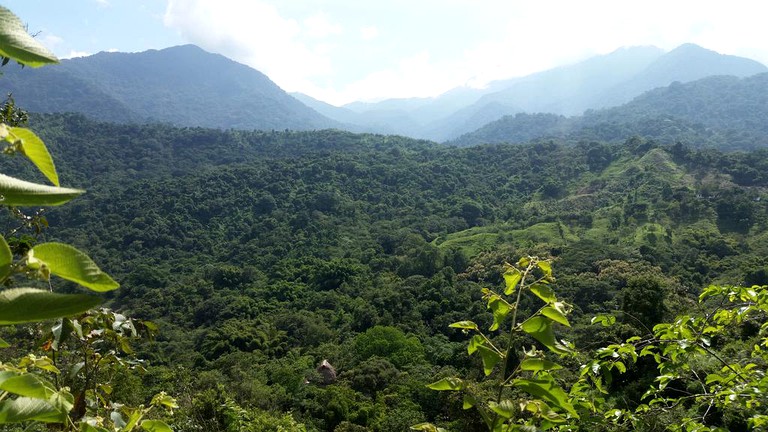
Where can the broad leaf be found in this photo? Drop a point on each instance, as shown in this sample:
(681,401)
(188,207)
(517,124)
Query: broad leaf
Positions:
(541,329)
(500,312)
(468,325)
(468,401)
(19,45)
(6,258)
(21,305)
(546,267)
(15,192)
(451,383)
(4,344)
(544,292)
(427,427)
(27,409)
(26,384)
(34,149)
(555,315)
(511,278)
(504,408)
(155,426)
(537,364)
(490,358)
(474,343)
(545,388)
(71,264)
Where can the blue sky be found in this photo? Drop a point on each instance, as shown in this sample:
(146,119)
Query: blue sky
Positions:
(345,50)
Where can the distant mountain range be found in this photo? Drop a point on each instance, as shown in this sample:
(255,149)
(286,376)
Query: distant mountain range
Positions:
(182,85)
(187,86)
(726,112)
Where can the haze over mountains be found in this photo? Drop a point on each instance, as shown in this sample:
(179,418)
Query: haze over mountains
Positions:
(188,86)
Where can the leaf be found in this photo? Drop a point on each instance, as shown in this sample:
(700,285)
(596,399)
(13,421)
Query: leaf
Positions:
(468,401)
(490,358)
(26,384)
(511,278)
(21,305)
(468,325)
(504,408)
(546,267)
(604,320)
(474,343)
(537,364)
(19,45)
(427,427)
(451,383)
(15,192)
(155,426)
(555,315)
(26,409)
(33,148)
(6,258)
(545,388)
(69,263)
(500,312)
(541,329)
(4,344)
(544,292)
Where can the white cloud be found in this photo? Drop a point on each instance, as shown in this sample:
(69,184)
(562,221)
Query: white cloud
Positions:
(103,3)
(318,26)
(368,33)
(75,54)
(254,33)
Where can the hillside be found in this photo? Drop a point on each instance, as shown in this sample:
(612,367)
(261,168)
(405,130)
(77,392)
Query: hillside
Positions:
(182,85)
(262,253)
(722,112)
(597,82)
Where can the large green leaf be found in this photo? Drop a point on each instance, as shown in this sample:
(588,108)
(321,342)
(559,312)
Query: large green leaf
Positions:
(511,278)
(555,315)
(15,192)
(490,358)
(20,305)
(69,263)
(545,388)
(541,329)
(537,364)
(544,292)
(6,258)
(450,383)
(26,409)
(26,384)
(36,151)
(17,44)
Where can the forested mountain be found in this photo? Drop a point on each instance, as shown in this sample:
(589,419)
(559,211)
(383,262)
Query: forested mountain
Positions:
(597,82)
(260,254)
(182,85)
(723,112)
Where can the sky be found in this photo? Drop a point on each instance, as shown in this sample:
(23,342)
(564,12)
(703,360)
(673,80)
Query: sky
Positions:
(341,51)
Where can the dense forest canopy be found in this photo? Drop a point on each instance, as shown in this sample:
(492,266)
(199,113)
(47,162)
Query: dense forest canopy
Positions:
(260,254)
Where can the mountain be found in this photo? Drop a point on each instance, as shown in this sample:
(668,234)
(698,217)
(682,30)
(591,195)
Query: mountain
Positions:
(182,85)
(719,111)
(598,82)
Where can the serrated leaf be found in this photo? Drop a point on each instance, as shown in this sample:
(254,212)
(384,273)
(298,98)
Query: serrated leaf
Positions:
(69,263)
(490,358)
(545,388)
(537,364)
(28,409)
(544,292)
(155,426)
(511,278)
(19,45)
(451,384)
(555,315)
(15,192)
(541,329)
(35,150)
(468,325)
(21,305)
